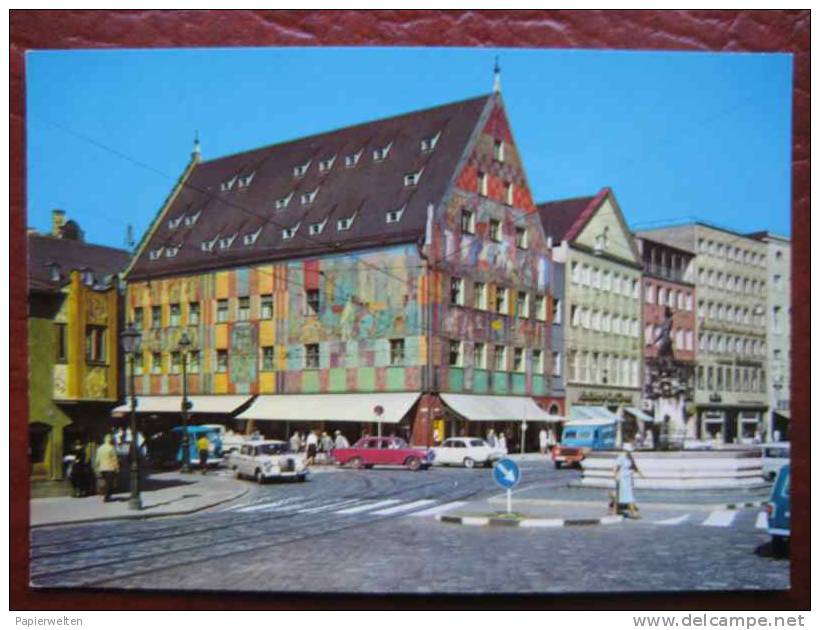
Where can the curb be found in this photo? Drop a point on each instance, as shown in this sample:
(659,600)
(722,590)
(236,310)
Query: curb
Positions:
(142,515)
(489,521)
(740,505)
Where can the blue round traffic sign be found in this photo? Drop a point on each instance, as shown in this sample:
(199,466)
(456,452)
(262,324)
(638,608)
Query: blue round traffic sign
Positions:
(506,473)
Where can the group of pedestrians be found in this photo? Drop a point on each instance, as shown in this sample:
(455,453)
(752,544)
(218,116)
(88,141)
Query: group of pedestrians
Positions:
(497,440)
(88,478)
(317,446)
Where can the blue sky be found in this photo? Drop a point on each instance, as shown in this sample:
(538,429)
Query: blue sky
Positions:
(676,135)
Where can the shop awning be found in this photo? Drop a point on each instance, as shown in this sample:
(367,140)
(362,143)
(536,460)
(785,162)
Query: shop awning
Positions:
(582,412)
(587,422)
(331,407)
(498,408)
(173,404)
(640,415)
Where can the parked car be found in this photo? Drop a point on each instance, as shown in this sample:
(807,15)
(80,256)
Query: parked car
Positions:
(778,511)
(467,452)
(580,437)
(231,441)
(775,456)
(264,460)
(384,451)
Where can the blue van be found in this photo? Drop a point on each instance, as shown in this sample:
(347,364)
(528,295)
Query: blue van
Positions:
(582,436)
(779,512)
(194,433)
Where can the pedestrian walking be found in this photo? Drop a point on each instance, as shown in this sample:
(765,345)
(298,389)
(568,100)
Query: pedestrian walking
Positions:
(295,442)
(107,466)
(341,440)
(491,438)
(203,445)
(501,443)
(312,442)
(79,471)
(542,441)
(624,473)
(436,437)
(326,446)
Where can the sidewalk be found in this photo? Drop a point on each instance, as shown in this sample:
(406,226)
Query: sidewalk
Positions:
(163,494)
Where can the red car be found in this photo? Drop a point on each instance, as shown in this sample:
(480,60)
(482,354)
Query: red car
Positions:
(385,451)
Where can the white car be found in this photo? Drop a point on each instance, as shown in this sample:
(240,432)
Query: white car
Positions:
(263,460)
(775,456)
(467,452)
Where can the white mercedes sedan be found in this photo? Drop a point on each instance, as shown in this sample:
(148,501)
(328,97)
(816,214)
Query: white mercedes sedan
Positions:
(467,452)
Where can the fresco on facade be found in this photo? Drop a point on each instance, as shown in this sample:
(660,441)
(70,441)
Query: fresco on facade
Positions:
(243,354)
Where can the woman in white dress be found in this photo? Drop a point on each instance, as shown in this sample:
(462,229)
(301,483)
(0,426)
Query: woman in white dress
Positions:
(624,473)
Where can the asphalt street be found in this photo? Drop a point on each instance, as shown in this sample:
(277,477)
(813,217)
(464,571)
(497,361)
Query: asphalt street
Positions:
(376,531)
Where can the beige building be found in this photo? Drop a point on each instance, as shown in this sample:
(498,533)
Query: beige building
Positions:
(602,306)
(731,379)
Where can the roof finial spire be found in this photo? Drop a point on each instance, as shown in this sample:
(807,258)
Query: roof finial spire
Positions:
(197,152)
(497,77)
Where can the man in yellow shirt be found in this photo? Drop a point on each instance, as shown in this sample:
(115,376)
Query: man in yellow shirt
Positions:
(203,445)
(107,465)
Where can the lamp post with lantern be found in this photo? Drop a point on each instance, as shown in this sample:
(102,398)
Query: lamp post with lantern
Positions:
(130,339)
(185,345)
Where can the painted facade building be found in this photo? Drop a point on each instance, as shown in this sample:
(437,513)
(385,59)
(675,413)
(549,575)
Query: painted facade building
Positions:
(668,288)
(402,255)
(602,301)
(778,332)
(731,286)
(74,310)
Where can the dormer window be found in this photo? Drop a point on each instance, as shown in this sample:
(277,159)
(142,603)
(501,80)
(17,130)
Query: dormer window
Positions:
(394,216)
(326,165)
(87,277)
(156,254)
(54,269)
(345,224)
(289,233)
(282,203)
(245,181)
(250,239)
(381,154)
(228,184)
(428,144)
(498,150)
(227,241)
(316,228)
(299,171)
(353,159)
(208,246)
(308,197)
(171,251)
(411,179)
(173,224)
(601,241)
(190,219)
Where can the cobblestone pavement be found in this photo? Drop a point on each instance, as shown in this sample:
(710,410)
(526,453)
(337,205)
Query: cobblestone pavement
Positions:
(375,531)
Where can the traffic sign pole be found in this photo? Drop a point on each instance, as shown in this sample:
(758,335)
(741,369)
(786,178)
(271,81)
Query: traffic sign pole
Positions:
(507,474)
(509,501)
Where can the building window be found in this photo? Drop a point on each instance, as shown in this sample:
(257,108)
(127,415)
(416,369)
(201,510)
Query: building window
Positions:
(495,230)
(557,308)
(289,233)
(498,150)
(480,295)
(176,362)
(381,153)
(500,358)
(412,179)
(509,193)
(650,293)
(540,308)
(192,366)
(221,361)
(397,352)
(479,356)
(501,300)
(344,224)
(521,240)
(394,216)
(266,307)
(95,346)
(312,356)
(267,358)
(556,364)
(327,164)
(156,317)
(537,362)
(283,202)
(518,359)
(522,304)
(299,171)
(482,184)
(467,222)
(176,314)
(156,363)
(428,144)
(138,318)
(455,353)
(776,319)
(61,343)
(312,300)
(193,313)
(221,311)
(456,291)
(316,228)
(244,313)
(353,159)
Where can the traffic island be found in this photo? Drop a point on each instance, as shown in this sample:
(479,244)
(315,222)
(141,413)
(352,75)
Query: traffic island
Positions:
(521,520)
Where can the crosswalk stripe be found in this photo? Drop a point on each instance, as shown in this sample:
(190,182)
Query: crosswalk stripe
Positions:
(762,521)
(368,506)
(673,521)
(720,518)
(327,506)
(261,506)
(404,507)
(439,509)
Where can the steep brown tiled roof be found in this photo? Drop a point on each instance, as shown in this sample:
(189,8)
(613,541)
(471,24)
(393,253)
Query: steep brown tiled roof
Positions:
(560,217)
(70,255)
(367,190)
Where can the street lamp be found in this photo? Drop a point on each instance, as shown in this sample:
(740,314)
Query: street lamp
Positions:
(184,345)
(130,339)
